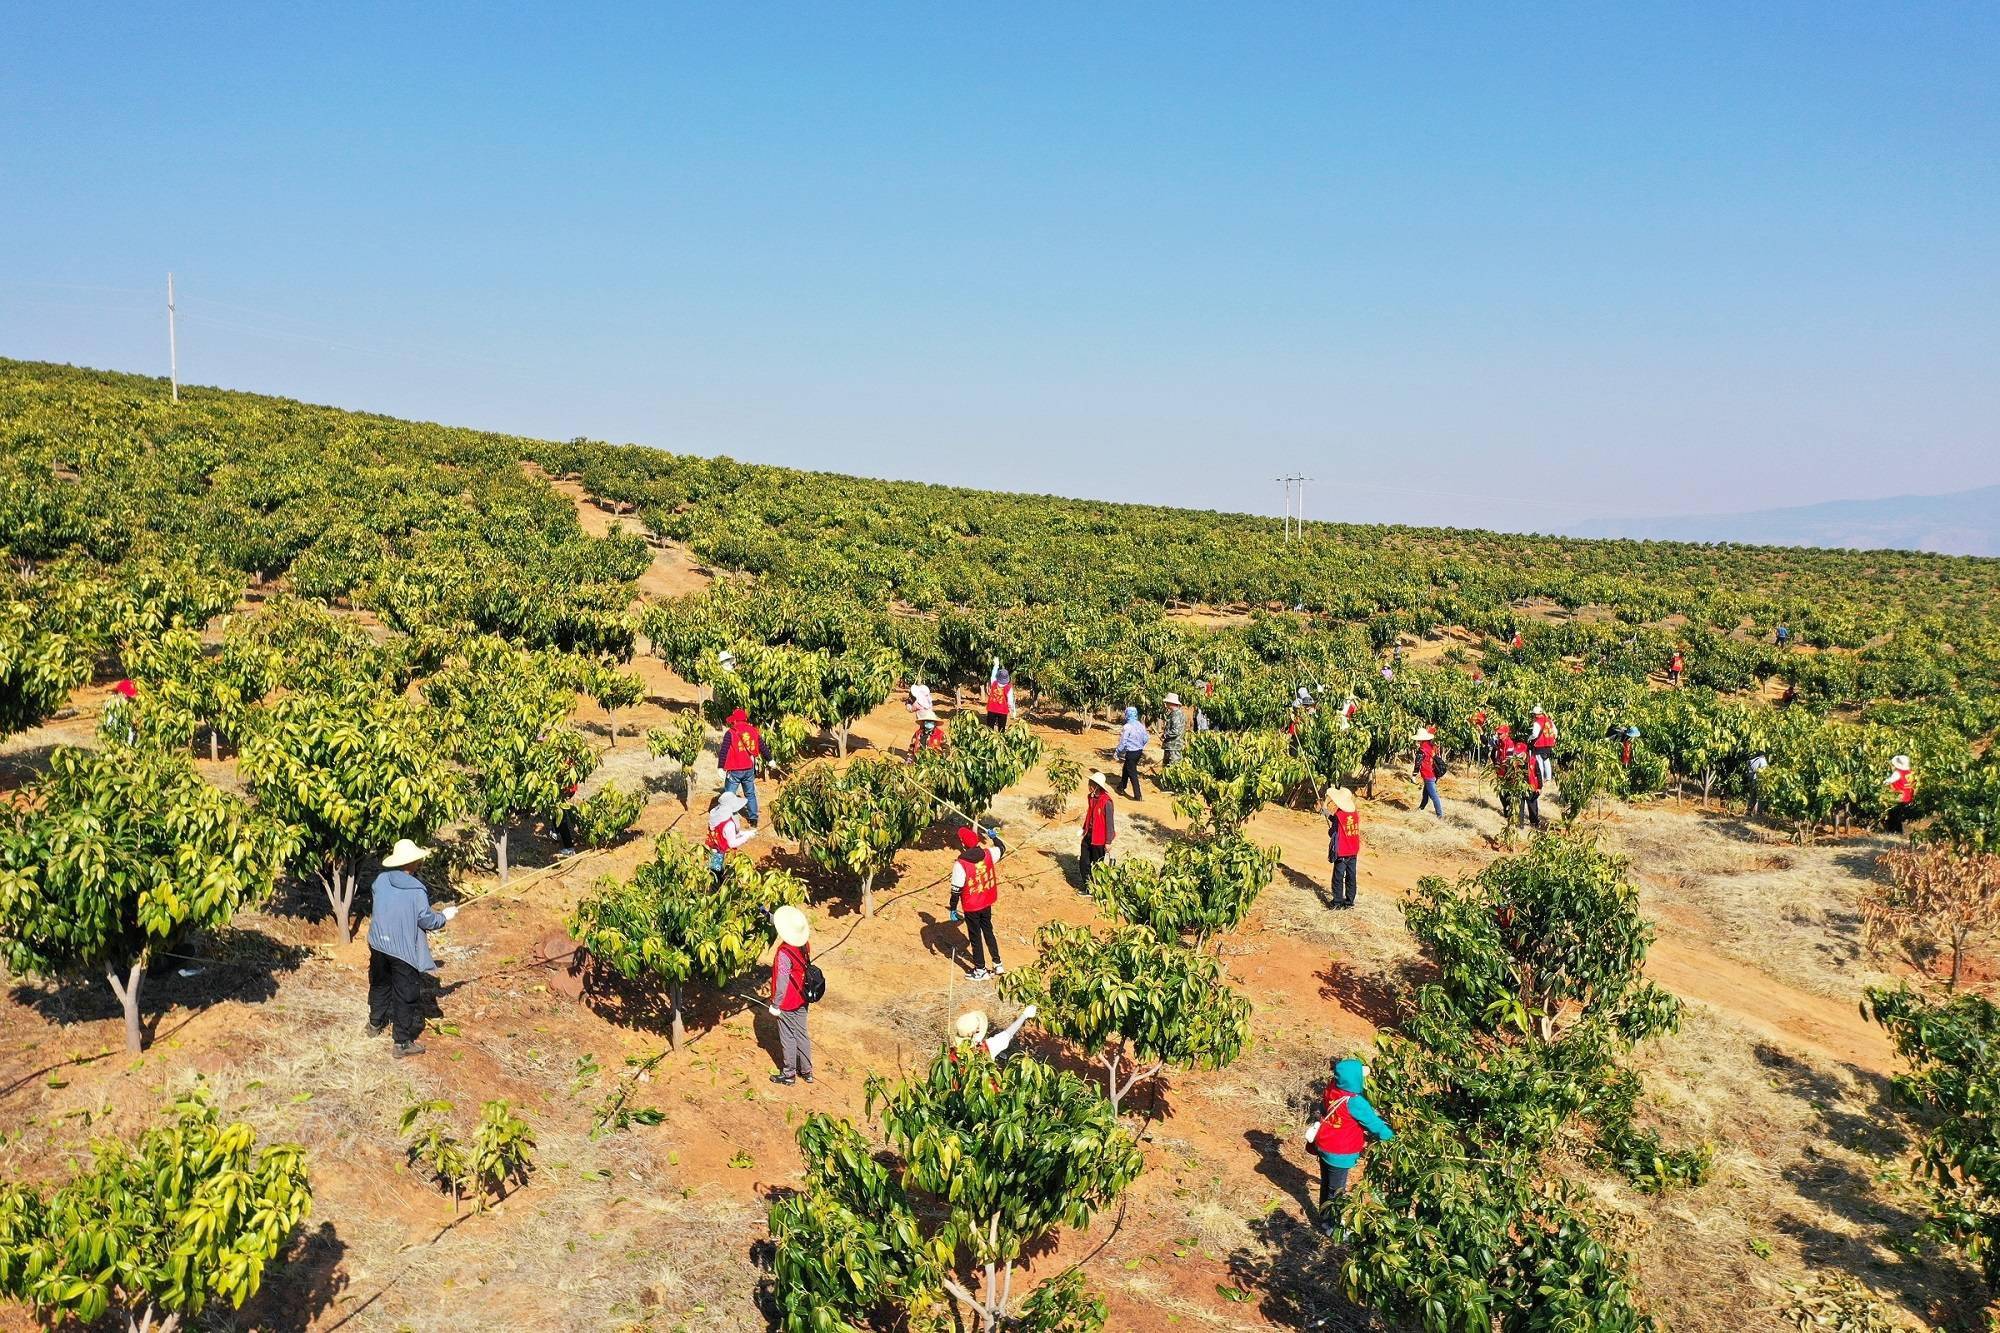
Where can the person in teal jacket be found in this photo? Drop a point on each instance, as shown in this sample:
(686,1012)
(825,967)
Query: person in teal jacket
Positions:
(1346,1120)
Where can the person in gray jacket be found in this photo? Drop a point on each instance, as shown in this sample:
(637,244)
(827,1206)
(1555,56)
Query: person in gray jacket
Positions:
(398,954)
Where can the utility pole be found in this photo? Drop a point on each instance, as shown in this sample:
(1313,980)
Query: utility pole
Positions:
(1290,480)
(1301,480)
(173,351)
(1286,482)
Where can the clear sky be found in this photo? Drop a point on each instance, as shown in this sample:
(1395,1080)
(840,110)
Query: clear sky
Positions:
(1575,259)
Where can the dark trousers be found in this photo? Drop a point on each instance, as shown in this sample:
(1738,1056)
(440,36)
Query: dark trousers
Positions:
(1344,880)
(394,987)
(1128,777)
(1332,1184)
(1535,808)
(997,721)
(1898,816)
(979,930)
(1092,853)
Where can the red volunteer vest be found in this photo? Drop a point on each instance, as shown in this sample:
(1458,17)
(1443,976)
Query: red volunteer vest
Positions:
(982,881)
(794,994)
(1339,1131)
(1427,761)
(1094,824)
(996,699)
(1534,769)
(1546,739)
(745,744)
(716,841)
(1346,833)
(1905,793)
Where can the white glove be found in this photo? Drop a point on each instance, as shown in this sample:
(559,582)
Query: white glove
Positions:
(449,912)
(774,1011)
(1029,1012)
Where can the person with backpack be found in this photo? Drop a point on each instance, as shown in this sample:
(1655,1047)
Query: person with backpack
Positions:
(999,697)
(1343,843)
(1132,741)
(1427,769)
(741,751)
(975,886)
(1100,826)
(795,986)
(1346,1120)
(725,834)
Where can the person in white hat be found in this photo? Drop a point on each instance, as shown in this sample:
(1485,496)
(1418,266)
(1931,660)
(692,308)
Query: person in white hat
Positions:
(398,954)
(1100,826)
(1343,837)
(1902,781)
(725,832)
(973,1028)
(1173,731)
(930,734)
(1427,772)
(921,701)
(789,1004)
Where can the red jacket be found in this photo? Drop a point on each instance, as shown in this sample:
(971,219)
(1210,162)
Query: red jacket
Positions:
(1346,833)
(1427,761)
(982,880)
(1905,792)
(1676,666)
(793,994)
(1099,824)
(1534,769)
(742,747)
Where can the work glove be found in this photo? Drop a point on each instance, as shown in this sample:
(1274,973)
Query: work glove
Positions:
(957,915)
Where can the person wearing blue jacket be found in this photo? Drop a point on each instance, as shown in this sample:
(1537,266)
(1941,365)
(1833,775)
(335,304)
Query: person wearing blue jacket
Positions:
(1132,741)
(1346,1120)
(398,954)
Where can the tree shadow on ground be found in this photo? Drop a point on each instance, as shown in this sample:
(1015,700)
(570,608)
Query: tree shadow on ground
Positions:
(1875,1131)
(1296,1273)
(304,1287)
(1373,996)
(228,964)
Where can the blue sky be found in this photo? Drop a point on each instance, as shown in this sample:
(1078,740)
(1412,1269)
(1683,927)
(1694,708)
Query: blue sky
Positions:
(1502,265)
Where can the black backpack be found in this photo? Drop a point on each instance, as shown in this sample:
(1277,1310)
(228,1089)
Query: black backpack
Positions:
(1442,768)
(813,988)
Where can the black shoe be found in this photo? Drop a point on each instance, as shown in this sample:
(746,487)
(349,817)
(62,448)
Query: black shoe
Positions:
(784,1080)
(377,1029)
(405,1049)
(805,1078)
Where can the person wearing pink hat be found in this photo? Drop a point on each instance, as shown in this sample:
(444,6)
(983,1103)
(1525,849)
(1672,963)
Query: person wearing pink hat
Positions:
(975,887)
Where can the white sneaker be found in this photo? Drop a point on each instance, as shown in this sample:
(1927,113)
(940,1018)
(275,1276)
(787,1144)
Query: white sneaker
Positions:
(979,974)
(999,971)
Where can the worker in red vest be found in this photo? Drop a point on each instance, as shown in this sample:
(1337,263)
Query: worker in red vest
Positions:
(1675,667)
(1427,773)
(788,994)
(725,834)
(1542,740)
(1346,1120)
(1901,781)
(1625,750)
(1343,830)
(1533,764)
(1479,736)
(975,885)
(742,749)
(1100,826)
(1518,642)
(929,734)
(999,697)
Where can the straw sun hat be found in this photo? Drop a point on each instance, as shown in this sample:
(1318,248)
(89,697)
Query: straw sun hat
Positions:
(973,1025)
(791,925)
(1342,799)
(405,853)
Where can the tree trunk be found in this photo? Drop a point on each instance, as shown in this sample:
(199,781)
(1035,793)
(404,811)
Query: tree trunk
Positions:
(500,855)
(1957,960)
(339,882)
(214,746)
(612,714)
(868,894)
(840,739)
(1111,1080)
(127,991)
(676,1034)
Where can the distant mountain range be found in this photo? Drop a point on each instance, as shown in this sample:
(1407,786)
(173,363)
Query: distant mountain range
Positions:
(1962,523)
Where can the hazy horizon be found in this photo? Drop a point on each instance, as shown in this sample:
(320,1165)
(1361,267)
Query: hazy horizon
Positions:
(1500,271)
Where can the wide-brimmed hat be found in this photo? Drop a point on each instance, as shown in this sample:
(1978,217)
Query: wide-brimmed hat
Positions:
(1538,710)
(1101,781)
(1343,799)
(1423,734)
(404,853)
(927,715)
(973,1025)
(1901,763)
(1173,699)
(791,925)
(725,805)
